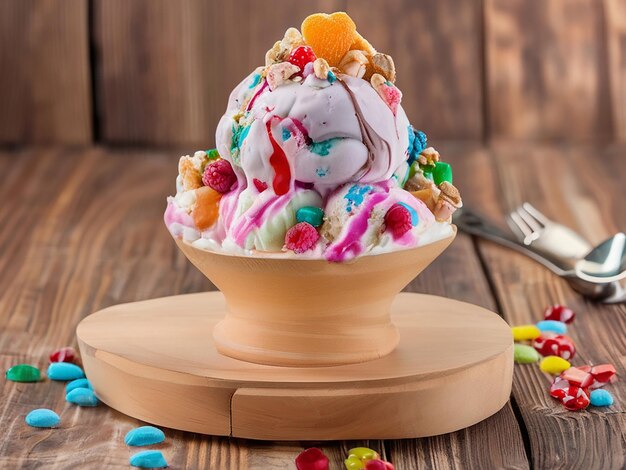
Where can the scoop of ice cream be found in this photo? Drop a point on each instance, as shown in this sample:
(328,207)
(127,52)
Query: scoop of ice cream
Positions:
(333,141)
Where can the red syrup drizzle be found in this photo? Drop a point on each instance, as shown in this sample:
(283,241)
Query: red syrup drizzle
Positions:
(280,164)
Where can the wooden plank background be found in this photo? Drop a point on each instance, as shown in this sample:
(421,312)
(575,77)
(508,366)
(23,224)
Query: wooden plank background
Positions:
(158,73)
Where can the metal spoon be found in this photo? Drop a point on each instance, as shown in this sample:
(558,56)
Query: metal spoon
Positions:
(605,263)
(474,224)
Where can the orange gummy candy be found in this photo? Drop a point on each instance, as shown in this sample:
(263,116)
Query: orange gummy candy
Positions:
(362,44)
(330,36)
(206,209)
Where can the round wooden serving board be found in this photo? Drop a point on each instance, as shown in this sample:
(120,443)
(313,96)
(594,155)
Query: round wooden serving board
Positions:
(155,360)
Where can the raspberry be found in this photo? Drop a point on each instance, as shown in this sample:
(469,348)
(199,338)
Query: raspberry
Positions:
(219,175)
(259,185)
(301,237)
(301,56)
(398,220)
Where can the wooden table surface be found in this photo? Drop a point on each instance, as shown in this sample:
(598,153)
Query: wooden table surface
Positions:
(82,229)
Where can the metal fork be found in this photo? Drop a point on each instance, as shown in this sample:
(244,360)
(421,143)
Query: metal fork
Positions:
(535,230)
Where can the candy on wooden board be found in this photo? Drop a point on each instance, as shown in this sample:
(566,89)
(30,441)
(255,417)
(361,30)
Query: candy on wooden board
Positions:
(23,373)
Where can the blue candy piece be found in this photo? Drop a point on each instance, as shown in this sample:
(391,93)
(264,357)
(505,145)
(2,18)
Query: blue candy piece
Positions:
(82,397)
(78,383)
(64,371)
(600,397)
(148,459)
(42,418)
(553,326)
(144,436)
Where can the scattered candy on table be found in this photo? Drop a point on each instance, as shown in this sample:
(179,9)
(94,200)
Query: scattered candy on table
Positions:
(559,313)
(524,354)
(64,371)
(525,332)
(148,459)
(78,383)
(559,345)
(554,365)
(600,397)
(312,459)
(575,398)
(66,354)
(144,436)
(42,418)
(365,458)
(577,377)
(23,373)
(602,374)
(552,326)
(82,397)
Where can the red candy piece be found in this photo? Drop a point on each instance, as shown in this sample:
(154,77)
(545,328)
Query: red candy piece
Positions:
(378,465)
(63,355)
(602,374)
(559,345)
(577,377)
(301,237)
(301,56)
(576,398)
(559,387)
(398,220)
(312,459)
(559,313)
(259,185)
(219,175)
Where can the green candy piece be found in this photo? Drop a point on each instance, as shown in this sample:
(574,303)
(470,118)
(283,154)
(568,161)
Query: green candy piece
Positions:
(312,215)
(442,172)
(523,354)
(23,373)
(212,154)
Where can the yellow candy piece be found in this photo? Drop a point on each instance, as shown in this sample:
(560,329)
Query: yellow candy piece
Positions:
(353,463)
(554,365)
(363,453)
(525,332)
(330,36)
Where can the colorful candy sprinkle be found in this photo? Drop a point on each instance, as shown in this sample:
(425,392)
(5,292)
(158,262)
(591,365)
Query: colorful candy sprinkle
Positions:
(78,383)
(552,326)
(144,436)
(398,220)
(312,459)
(600,398)
(66,354)
(23,373)
(442,172)
(301,237)
(525,332)
(42,418)
(82,397)
(148,459)
(312,215)
(554,365)
(524,354)
(219,175)
(559,313)
(559,345)
(64,371)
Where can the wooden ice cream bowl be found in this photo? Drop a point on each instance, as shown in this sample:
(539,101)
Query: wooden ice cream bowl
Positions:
(304,312)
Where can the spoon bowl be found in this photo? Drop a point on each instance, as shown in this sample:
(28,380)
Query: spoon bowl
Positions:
(605,263)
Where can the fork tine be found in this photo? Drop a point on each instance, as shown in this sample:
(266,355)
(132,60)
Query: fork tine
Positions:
(528,207)
(516,222)
(529,219)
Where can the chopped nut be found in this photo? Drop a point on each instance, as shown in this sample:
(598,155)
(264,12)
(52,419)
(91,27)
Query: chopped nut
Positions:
(450,193)
(377,81)
(321,68)
(418,181)
(190,174)
(383,65)
(428,196)
(278,74)
(272,56)
(354,63)
(281,49)
(428,156)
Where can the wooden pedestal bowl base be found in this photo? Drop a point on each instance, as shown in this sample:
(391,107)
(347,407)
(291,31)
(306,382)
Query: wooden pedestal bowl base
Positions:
(156,361)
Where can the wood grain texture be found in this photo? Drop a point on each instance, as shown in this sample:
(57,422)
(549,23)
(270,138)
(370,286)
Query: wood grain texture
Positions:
(45,90)
(84,232)
(166,69)
(436,47)
(615,20)
(546,70)
(559,438)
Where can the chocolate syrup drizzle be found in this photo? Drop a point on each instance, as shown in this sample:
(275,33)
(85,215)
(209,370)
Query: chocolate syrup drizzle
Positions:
(373,141)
